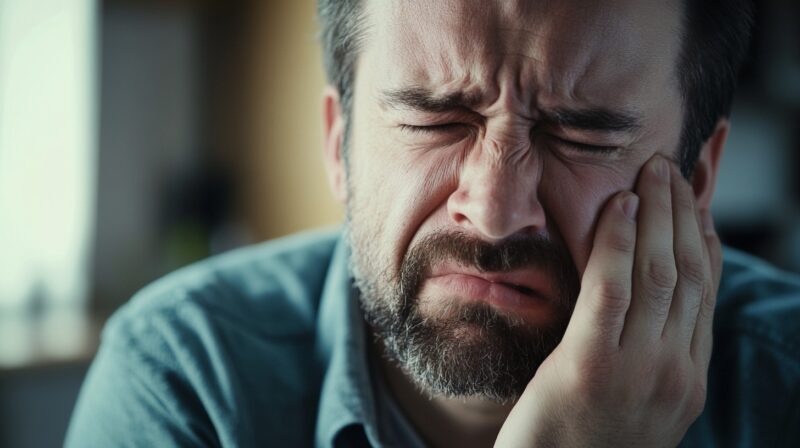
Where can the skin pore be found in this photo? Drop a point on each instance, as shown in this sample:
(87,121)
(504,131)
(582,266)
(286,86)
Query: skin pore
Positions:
(496,119)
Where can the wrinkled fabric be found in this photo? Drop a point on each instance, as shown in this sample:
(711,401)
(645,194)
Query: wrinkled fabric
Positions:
(266,346)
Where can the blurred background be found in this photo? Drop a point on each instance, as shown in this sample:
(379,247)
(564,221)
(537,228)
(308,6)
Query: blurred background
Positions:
(137,136)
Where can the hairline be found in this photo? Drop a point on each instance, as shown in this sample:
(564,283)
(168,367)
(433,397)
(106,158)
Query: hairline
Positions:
(689,143)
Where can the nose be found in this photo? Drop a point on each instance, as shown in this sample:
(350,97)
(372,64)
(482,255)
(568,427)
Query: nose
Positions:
(497,197)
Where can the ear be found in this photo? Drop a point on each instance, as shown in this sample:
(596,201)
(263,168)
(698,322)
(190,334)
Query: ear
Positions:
(704,176)
(332,140)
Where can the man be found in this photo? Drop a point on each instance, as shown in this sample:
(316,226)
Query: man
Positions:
(528,258)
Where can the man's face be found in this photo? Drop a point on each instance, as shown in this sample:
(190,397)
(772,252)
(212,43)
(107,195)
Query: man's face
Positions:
(485,138)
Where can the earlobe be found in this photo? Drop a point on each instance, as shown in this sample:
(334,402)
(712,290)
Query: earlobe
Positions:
(704,176)
(332,142)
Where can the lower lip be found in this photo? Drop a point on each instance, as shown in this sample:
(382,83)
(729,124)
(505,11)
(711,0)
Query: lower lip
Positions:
(498,295)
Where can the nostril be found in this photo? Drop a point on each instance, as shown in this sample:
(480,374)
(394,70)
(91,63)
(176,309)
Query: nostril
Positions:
(495,205)
(459,218)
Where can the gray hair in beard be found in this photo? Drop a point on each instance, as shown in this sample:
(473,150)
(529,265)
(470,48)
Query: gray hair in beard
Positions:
(501,354)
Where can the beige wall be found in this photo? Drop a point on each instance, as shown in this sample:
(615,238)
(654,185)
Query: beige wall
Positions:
(286,189)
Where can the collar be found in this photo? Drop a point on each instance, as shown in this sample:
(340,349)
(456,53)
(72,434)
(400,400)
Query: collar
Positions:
(347,401)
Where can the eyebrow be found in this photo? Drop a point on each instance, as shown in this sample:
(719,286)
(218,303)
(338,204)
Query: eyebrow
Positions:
(595,119)
(417,98)
(588,119)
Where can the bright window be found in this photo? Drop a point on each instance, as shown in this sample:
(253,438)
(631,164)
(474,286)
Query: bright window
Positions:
(47,151)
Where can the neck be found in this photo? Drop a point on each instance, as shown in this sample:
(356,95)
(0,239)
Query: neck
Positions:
(442,421)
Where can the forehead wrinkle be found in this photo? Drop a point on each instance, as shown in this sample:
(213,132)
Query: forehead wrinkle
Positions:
(538,54)
(592,77)
(436,45)
(568,53)
(551,70)
(452,17)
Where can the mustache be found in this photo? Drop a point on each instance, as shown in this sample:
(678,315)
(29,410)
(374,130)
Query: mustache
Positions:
(512,253)
(519,251)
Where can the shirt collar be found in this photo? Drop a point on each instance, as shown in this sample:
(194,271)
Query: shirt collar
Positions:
(347,397)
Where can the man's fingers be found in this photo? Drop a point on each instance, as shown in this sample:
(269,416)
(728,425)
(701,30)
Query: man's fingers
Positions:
(606,286)
(654,272)
(714,247)
(702,339)
(691,264)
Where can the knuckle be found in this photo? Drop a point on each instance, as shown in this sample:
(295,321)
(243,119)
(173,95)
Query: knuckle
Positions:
(691,268)
(657,278)
(672,387)
(708,303)
(658,303)
(696,402)
(693,307)
(613,295)
(660,272)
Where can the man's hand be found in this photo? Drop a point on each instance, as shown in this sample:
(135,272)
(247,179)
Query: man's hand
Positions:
(633,364)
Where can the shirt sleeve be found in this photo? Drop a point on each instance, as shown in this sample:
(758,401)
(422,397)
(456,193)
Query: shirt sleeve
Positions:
(134,396)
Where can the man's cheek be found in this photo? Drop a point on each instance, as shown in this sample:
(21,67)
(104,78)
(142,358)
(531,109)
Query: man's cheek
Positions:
(578,235)
(574,205)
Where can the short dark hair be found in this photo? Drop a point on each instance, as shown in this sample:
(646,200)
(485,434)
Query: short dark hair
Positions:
(713,47)
(341,34)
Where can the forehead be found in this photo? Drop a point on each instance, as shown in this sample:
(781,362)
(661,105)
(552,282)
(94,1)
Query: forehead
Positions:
(541,51)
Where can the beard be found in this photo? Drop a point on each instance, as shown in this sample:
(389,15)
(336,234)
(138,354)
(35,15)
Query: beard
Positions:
(463,349)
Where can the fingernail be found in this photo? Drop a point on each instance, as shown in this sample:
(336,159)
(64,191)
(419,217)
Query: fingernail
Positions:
(708,222)
(630,206)
(662,168)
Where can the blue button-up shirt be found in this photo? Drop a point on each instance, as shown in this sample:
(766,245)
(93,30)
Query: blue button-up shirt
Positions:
(266,346)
